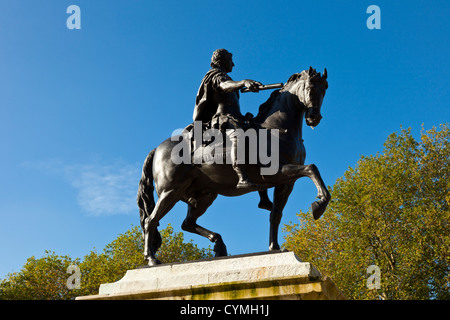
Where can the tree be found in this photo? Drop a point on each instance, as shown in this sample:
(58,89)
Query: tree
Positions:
(47,277)
(40,279)
(392,211)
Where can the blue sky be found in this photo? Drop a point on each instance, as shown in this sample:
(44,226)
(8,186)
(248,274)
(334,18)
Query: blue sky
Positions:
(80,109)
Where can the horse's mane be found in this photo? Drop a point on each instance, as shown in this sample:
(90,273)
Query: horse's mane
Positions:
(265,107)
(310,74)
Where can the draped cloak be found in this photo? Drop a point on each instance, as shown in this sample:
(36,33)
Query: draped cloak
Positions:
(205,106)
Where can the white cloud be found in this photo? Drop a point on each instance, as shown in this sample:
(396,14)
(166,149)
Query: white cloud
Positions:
(102,189)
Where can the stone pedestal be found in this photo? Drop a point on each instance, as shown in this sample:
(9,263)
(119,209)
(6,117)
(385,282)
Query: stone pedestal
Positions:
(265,275)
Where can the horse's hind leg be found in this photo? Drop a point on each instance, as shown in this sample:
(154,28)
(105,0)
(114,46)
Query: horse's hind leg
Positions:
(280,198)
(166,201)
(264,201)
(190,223)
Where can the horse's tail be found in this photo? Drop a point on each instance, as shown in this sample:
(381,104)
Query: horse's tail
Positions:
(145,199)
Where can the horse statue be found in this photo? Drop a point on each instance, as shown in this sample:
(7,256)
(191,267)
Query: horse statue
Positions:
(199,185)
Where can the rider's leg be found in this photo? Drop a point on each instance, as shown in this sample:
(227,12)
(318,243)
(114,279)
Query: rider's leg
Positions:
(239,168)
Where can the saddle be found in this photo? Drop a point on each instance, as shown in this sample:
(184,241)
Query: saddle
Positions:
(215,145)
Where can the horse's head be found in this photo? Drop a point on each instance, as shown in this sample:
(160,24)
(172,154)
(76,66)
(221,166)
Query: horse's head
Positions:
(309,86)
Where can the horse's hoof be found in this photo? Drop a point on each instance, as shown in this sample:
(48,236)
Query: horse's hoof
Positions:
(265,204)
(220,248)
(318,208)
(153,262)
(274,247)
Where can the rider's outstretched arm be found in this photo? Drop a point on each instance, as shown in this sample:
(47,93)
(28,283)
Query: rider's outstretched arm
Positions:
(230,85)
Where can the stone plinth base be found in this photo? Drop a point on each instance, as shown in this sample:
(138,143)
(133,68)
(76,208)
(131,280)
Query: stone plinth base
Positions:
(266,275)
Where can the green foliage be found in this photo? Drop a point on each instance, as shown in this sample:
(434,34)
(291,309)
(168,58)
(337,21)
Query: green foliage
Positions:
(46,278)
(43,278)
(391,210)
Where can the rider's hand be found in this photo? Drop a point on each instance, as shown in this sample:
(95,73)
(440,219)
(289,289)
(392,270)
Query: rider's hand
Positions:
(252,85)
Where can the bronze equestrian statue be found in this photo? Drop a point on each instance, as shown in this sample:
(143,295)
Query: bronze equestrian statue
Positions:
(217,102)
(199,184)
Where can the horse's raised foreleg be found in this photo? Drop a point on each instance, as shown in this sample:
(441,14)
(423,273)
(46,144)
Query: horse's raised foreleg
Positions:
(311,171)
(165,202)
(190,223)
(280,198)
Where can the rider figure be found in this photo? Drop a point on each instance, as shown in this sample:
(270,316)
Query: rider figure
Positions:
(218,101)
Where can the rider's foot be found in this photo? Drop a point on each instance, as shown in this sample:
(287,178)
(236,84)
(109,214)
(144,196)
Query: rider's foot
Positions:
(246,184)
(244,180)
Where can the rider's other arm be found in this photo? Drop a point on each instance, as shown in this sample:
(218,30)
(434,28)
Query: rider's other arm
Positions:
(230,85)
